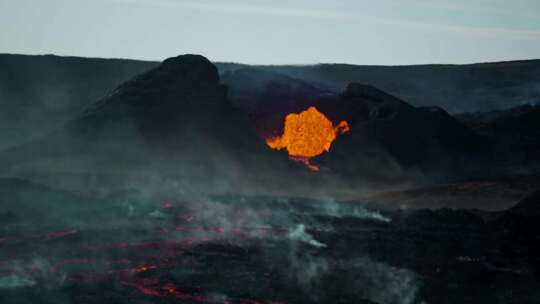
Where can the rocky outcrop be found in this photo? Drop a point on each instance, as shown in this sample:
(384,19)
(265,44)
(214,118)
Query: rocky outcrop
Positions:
(529,206)
(395,135)
(176,114)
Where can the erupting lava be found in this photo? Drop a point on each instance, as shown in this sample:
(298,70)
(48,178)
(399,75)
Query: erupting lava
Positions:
(307,134)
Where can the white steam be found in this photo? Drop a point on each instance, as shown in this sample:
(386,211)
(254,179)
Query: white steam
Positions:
(299,234)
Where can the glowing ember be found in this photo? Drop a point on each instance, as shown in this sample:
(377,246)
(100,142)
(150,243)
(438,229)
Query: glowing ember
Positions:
(59,234)
(306,135)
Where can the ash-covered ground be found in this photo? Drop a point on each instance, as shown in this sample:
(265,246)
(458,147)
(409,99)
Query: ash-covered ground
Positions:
(135,248)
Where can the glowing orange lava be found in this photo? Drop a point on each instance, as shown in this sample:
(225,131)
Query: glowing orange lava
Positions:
(306,135)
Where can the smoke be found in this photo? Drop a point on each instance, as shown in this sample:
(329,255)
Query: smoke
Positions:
(144,232)
(308,271)
(299,234)
(365,278)
(16,281)
(29,273)
(311,267)
(382,283)
(305,267)
(332,208)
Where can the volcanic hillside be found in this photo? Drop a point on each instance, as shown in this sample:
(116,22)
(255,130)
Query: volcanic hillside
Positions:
(387,137)
(40,93)
(174,119)
(179,120)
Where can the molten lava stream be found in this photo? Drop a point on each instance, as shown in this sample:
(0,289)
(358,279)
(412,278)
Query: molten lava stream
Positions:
(306,135)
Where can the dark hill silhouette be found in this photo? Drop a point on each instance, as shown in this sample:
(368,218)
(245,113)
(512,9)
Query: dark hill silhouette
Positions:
(455,88)
(174,119)
(529,206)
(515,133)
(267,97)
(387,134)
(39,93)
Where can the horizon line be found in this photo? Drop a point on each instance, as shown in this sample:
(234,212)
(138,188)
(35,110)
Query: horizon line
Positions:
(274,64)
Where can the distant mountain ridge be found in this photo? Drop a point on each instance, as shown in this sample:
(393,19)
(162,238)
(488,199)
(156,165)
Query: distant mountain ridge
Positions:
(455,88)
(40,92)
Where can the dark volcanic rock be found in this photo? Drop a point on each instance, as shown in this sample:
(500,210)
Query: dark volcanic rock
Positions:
(247,83)
(177,82)
(456,88)
(181,96)
(529,206)
(387,137)
(407,132)
(391,135)
(177,113)
(515,133)
(459,219)
(267,97)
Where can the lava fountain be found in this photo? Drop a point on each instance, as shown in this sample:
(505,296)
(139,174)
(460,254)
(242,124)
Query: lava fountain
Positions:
(306,135)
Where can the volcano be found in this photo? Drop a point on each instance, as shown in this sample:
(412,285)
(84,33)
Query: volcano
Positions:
(389,137)
(174,119)
(179,119)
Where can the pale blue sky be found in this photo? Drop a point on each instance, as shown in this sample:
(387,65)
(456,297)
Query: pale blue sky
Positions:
(276,31)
